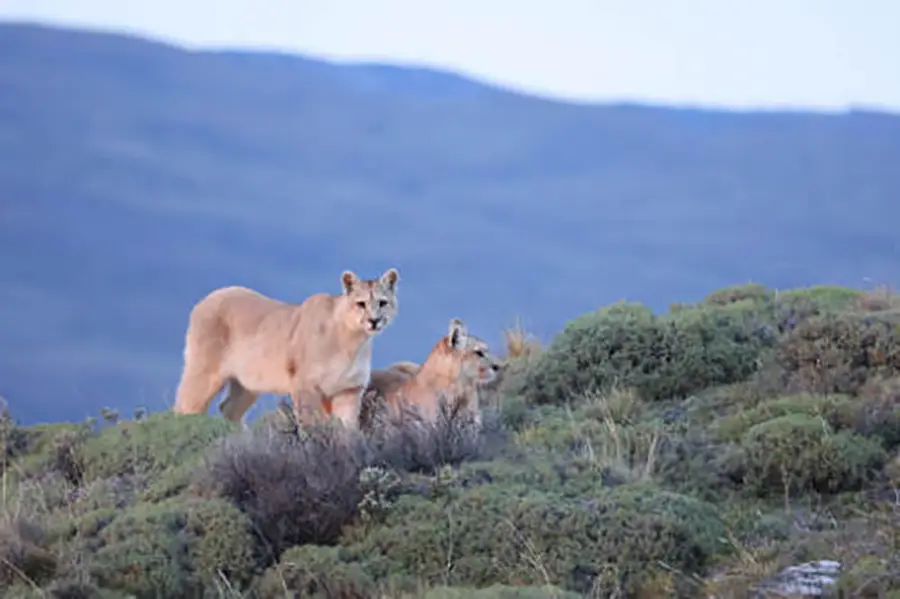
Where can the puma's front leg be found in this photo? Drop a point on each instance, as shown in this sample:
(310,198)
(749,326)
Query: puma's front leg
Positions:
(345,405)
(309,405)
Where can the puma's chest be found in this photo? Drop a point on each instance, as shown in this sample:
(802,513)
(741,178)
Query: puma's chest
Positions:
(359,371)
(352,371)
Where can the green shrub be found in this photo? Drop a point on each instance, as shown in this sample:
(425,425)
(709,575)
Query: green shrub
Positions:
(169,483)
(818,299)
(175,549)
(82,530)
(499,591)
(24,555)
(840,411)
(493,534)
(798,452)
(622,452)
(838,353)
(116,492)
(753,292)
(878,410)
(625,345)
(64,589)
(720,345)
(152,445)
(13,440)
(53,449)
(316,572)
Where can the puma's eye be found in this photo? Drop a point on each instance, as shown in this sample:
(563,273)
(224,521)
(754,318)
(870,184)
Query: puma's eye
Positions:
(361,305)
(382,303)
(479,353)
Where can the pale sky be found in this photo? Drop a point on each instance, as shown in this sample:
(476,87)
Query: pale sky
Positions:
(751,53)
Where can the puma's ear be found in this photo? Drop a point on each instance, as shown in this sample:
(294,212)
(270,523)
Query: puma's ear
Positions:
(457,335)
(348,280)
(389,278)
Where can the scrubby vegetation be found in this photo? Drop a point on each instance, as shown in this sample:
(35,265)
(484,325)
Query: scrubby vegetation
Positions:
(690,454)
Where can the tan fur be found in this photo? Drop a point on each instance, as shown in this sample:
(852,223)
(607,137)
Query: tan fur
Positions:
(459,363)
(319,351)
(407,369)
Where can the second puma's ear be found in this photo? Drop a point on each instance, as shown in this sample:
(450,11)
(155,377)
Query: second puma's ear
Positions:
(457,334)
(390,278)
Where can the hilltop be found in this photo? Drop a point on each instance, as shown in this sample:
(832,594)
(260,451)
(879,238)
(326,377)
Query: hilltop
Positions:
(138,176)
(697,453)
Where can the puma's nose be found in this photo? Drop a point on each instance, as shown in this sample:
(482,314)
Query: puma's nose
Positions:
(373,323)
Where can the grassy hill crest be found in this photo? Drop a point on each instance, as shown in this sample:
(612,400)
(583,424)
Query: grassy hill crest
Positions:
(624,458)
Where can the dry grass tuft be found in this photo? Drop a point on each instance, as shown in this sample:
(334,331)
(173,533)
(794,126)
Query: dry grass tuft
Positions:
(520,343)
(879,299)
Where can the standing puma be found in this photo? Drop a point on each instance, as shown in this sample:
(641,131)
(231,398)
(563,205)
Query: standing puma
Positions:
(319,351)
(459,363)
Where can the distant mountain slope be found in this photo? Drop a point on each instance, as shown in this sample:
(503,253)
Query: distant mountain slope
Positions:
(136,177)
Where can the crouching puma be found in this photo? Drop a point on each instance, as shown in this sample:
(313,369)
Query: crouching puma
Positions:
(319,351)
(457,367)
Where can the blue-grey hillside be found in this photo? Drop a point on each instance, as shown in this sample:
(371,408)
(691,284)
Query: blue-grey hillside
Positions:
(135,177)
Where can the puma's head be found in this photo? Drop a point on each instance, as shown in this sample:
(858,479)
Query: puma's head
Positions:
(371,304)
(477,363)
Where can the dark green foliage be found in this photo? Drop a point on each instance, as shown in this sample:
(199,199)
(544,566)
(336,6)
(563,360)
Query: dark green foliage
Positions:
(152,445)
(798,452)
(115,492)
(878,409)
(839,411)
(817,299)
(169,483)
(753,292)
(626,345)
(175,549)
(317,573)
(24,556)
(494,534)
(13,440)
(64,589)
(499,591)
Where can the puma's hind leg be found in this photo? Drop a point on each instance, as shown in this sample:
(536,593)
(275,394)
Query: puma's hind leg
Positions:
(237,401)
(196,389)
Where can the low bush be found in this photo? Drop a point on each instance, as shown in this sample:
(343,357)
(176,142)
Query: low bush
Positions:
(175,549)
(296,488)
(499,591)
(753,292)
(24,556)
(13,440)
(837,353)
(839,411)
(798,453)
(818,299)
(626,451)
(115,492)
(612,540)
(317,573)
(878,409)
(409,443)
(626,345)
(149,446)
